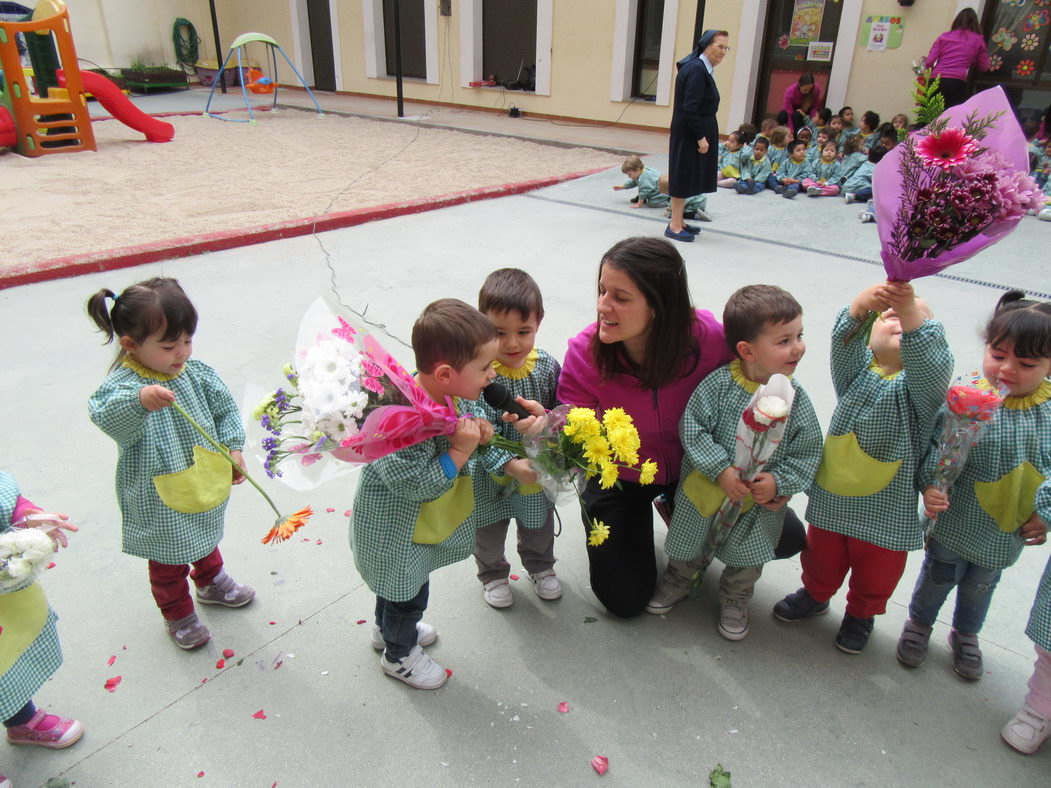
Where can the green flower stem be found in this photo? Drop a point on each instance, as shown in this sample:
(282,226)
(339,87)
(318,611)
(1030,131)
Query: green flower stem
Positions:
(226,453)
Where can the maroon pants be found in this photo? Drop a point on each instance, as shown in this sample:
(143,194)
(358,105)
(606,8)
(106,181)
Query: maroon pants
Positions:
(169,586)
(874,571)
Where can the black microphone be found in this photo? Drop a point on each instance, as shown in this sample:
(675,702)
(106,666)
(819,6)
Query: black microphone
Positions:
(497,396)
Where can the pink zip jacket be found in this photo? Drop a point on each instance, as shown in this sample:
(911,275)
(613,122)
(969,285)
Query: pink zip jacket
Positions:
(955,52)
(656,412)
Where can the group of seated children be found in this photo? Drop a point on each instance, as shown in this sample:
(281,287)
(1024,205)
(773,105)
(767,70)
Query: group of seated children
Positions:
(1039,138)
(830,157)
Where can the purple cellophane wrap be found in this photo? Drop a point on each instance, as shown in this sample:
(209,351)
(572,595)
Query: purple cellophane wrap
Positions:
(1005,136)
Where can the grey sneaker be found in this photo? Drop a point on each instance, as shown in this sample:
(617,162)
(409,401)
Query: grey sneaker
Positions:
(425,635)
(814,191)
(546,584)
(416,669)
(849,197)
(733,620)
(224,591)
(966,656)
(912,645)
(798,605)
(188,632)
(672,587)
(498,593)
(865,216)
(1026,731)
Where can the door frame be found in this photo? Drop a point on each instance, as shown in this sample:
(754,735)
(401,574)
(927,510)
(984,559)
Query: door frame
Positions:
(302,52)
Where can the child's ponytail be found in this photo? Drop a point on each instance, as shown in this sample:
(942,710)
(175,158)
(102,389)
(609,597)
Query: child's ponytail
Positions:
(1023,322)
(100,314)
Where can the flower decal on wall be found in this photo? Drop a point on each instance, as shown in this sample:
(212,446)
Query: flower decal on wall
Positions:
(1005,38)
(1012,2)
(1025,68)
(1042,3)
(782,42)
(1036,20)
(1030,41)
(995,62)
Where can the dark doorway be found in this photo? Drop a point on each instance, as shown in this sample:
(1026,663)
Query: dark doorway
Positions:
(321,44)
(790,27)
(413,38)
(509,40)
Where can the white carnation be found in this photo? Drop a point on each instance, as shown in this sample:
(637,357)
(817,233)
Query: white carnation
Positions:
(770,409)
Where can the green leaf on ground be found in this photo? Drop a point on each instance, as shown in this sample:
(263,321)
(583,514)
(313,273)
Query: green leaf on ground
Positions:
(719,777)
(590,619)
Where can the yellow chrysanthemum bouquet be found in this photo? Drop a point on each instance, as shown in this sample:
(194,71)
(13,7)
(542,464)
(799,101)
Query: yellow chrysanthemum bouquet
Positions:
(571,445)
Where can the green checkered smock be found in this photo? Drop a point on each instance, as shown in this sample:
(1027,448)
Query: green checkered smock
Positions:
(997,489)
(865,487)
(391,496)
(1039,626)
(161,442)
(708,430)
(539,383)
(27,658)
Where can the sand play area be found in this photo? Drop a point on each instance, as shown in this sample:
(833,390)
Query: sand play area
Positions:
(218,175)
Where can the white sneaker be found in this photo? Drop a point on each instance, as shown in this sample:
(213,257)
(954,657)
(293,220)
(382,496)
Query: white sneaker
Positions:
(425,635)
(1044,215)
(497,593)
(865,216)
(417,670)
(733,620)
(670,589)
(546,585)
(1026,731)
(848,197)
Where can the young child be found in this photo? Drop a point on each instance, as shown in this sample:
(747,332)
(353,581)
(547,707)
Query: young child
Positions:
(694,208)
(887,136)
(805,135)
(764,328)
(645,179)
(731,160)
(862,506)
(858,186)
(821,120)
(777,152)
(988,515)
(512,301)
(900,121)
(846,116)
(813,151)
(789,178)
(869,130)
(32,652)
(1042,169)
(748,134)
(1031,724)
(172,487)
(416,510)
(835,132)
(823,176)
(756,169)
(853,157)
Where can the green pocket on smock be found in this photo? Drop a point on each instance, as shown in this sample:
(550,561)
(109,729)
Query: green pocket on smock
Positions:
(848,471)
(1011,499)
(707,496)
(202,486)
(439,518)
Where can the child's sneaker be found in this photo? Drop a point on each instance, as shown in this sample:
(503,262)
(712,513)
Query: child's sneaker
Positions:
(671,588)
(497,593)
(848,197)
(5,782)
(546,584)
(854,633)
(912,645)
(417,670)
(224,591)
(46,730)
(1044,215)
(1026,731)
(966,656)
(425,635)
(701,216)
(188,632)
(733,620)
(797,605)
(789,194)
(866,216)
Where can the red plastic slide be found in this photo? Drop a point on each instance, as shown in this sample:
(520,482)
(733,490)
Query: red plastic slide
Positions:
(118,105)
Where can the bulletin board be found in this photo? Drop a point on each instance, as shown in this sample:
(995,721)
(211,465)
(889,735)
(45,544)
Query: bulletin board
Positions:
(896,31)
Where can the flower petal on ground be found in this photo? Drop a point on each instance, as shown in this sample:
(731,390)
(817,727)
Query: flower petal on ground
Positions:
(514,577)
(600,763)
(220,664)
(228,652)
(111,660)
(329,509)
(563,707)
(360,621)
(111,684)
(259,715)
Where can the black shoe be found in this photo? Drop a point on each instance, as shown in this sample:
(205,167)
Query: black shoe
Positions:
(689,215)
(799,604)
(690,228)
(635,198)
(854,634)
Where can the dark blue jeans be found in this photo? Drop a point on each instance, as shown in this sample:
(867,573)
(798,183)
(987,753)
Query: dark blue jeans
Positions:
(397,622)
(942,571)
(749,187)
(861,195)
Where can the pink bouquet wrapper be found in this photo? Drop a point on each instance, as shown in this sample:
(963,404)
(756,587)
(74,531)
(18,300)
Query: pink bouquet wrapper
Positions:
(891,193)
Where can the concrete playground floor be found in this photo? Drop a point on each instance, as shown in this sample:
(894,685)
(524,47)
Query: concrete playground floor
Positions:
(664,698)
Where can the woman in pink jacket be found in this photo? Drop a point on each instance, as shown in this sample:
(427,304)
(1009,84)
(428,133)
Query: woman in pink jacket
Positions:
(953,55)
(646,353)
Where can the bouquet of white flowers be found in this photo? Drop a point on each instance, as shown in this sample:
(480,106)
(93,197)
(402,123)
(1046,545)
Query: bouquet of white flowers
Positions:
(24,554)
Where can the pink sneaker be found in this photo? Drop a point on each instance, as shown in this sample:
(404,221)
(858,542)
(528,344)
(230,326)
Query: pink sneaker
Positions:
(47,730)
(5,782)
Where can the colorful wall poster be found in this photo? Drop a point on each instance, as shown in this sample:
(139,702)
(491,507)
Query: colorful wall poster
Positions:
(806,22)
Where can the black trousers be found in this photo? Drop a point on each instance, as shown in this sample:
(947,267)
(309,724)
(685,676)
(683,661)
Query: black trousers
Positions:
(954,91)
(623,569)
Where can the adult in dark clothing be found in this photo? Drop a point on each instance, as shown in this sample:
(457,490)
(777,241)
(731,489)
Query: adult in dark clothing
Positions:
(693,159)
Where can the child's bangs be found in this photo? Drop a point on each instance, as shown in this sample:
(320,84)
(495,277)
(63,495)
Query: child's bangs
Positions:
(173,314)
(1028,331)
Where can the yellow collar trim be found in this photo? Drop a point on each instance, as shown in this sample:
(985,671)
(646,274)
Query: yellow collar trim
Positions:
(737,374)
(518,373)
(874,366)
(146,372)
(1038,397)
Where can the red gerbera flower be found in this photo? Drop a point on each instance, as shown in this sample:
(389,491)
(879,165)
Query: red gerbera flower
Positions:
(947,149)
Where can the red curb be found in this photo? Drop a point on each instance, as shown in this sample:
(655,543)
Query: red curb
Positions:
(128,256)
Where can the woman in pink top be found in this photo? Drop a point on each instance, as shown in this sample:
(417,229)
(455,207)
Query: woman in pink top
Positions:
(646,353)
(803,99)
(953,55)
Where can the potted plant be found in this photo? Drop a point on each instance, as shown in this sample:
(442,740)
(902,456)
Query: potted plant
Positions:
(146,76)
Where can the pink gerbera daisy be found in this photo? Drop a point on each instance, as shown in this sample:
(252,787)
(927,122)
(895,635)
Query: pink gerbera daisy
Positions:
(947,149)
